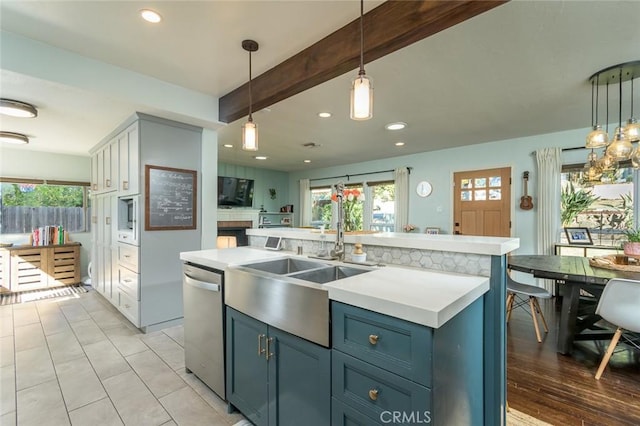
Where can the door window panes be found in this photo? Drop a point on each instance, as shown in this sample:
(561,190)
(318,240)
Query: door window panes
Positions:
(481,182)
(495,181)
(495,194)
(465,195)
(480,195)
(466,183)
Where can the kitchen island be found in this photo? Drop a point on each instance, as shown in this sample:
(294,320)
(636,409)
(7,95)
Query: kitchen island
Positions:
(431,303)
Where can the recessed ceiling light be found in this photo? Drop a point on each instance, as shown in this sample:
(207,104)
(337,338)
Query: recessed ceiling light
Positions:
(324,114)
(17,109)
(260,157)
(14,138)
(228,145)
(150,16)
(306,161)
(396,126)
(399,144)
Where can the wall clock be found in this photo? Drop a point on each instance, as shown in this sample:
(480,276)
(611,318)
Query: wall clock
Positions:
(424,188)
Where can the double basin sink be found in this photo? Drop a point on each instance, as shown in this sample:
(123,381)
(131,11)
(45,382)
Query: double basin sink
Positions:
(287,293)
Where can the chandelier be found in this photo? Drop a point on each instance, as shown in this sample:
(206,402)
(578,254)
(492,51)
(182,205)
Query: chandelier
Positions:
(620,146)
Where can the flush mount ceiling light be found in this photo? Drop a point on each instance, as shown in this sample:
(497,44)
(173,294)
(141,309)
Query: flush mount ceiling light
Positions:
(14,138)
(619,148)
(17,109)
(150,16)
(362,87)
(260,157)
(399,144)
(228,145)
(324,114)
(396,126)
(250,129)
(306,161)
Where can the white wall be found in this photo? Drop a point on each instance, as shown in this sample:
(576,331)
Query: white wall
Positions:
(438,167)
(22,163)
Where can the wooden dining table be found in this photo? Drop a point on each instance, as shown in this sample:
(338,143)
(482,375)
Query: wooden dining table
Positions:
(577,279)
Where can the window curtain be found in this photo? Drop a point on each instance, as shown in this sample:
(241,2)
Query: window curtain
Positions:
(367,211)
(401,203)
(305,203)
(549,161)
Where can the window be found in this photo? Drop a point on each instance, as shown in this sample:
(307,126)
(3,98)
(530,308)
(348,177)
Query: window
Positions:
(605,207)
(28,204)
(382,206)
(321,207)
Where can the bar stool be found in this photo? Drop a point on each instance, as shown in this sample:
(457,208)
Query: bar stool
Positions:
(524,294)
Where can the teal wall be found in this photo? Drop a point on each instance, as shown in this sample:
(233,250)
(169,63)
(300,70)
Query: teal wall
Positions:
(264,179)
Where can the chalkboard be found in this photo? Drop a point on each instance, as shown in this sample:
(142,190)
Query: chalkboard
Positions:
(170,198)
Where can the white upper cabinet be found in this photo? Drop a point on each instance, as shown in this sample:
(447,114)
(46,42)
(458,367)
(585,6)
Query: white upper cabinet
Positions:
(129,161)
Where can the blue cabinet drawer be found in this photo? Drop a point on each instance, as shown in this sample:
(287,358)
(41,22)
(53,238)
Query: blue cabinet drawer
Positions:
(396,345)
(344,415)
(373,391)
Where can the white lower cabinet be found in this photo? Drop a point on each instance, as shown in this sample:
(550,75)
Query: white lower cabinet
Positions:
(130,308)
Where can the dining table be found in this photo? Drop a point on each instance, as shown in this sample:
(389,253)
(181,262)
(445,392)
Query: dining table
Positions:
(581,286)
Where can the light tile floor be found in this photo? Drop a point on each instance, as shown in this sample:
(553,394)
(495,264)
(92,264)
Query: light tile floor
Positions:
(78,361)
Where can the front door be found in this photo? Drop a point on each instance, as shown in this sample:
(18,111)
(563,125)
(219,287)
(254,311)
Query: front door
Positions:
(482,202)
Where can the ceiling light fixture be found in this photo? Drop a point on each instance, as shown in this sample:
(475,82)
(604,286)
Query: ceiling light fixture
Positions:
(17,109)
(260,157)
(324,114)
(228,145)
(14,138)
(362,87)
(306,161)
(250,129)
(396,126)
(399,144)
(620,148)
(150,16)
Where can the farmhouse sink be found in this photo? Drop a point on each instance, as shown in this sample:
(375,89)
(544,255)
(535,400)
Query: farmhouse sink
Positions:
(287,293)
(328,274)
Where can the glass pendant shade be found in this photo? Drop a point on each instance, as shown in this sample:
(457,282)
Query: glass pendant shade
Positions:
(620,148)
(597,138)
(592,169)
(632,130)
(607,163)
(635,158)
(250,136)
(361,98)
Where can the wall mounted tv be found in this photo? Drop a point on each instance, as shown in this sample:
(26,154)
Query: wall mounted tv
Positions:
(235,192)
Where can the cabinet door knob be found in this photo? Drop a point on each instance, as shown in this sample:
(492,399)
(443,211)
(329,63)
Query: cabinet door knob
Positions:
(108,220)
(269,354)
(373,339)
(125,185)
(373,394)
(260,350)
(108,183)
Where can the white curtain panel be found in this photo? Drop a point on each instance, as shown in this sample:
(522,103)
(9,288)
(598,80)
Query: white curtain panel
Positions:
(549,162)
(401,204)
(305,203)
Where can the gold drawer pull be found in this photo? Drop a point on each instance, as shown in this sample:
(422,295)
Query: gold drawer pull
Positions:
(373,394)
(373,339)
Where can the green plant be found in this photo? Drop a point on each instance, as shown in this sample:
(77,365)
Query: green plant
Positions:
(573,202)
(633,235)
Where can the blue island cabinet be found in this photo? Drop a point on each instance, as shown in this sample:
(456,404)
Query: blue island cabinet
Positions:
(387,370)
(275,378)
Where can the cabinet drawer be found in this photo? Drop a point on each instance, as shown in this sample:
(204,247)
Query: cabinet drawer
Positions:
(128,256)
(128,282)
(344,415)
(374,391)
(396,345)
(130,308)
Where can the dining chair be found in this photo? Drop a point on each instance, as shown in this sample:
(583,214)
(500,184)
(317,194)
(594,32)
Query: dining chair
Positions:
(619,306)
(527,294)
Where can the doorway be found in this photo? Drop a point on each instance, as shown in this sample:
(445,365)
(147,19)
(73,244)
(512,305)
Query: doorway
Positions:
(482,202)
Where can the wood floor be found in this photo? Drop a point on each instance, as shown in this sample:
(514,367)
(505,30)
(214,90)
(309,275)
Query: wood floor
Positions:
(561,389)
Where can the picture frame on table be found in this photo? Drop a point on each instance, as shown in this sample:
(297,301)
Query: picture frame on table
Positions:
(432,231)
(286,221)
(578,236)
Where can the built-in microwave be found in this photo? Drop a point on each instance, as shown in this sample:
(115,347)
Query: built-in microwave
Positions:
(128,211)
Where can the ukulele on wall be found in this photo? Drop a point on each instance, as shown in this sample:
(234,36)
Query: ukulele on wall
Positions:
(526,202)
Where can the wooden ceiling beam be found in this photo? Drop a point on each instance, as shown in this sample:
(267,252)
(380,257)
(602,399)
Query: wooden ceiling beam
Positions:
(387,28)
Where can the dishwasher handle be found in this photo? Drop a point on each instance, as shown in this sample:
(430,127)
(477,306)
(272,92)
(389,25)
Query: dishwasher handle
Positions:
(200,284)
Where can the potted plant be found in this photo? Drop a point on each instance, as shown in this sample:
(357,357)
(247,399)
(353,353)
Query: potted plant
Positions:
(632,246)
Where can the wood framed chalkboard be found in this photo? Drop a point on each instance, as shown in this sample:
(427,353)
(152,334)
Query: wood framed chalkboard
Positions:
(170,200)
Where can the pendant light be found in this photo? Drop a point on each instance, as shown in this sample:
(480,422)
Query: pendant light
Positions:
(250,129)
(620,148)
(592,169)
(362,87)
(597,138)
(632,129)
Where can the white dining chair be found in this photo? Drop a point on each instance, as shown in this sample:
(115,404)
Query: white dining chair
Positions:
(526,294)
(619,305)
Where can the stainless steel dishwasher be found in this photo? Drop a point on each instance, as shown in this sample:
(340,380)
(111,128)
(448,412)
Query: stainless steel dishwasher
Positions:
(204,325)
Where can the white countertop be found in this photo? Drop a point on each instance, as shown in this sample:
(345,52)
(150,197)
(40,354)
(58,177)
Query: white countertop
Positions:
(450,243)
(421,296)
